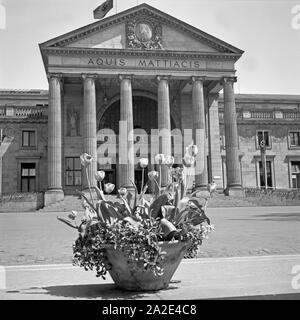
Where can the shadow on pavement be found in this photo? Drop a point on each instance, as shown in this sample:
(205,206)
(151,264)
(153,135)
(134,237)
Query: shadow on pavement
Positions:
(93,291)
(276,216)
(287,296)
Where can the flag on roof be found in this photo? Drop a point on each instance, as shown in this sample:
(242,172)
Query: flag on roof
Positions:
(101,11)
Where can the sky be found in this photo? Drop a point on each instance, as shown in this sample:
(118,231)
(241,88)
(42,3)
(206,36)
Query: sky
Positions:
(267,30)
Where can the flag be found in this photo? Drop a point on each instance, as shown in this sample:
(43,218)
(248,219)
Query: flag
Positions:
(101,11)
(5,144)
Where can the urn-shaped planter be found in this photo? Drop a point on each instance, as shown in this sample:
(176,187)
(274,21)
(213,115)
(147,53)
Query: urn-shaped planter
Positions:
(132,276)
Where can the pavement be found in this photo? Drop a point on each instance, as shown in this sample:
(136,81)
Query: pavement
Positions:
(39,238)
(254,253)
(257,277)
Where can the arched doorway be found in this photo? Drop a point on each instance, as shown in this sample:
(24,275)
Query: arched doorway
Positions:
(144,119)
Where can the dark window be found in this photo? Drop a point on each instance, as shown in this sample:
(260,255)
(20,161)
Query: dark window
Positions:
(73,171)
(269,175)
(294,138)
(295,166)
(263,135)
(28,138)
(28,177)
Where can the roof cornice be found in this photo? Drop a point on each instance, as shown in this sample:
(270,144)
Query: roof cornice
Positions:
(139,53)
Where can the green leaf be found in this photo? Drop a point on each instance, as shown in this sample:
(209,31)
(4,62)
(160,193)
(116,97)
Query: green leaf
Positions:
(109,213)
(86,199)
(168,212)
(100,194)
(136,193)
(155,208)
(133,222)
(67,222)
(167,228)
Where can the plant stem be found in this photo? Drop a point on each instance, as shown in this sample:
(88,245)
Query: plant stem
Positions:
(159,178)
(89,183)
(142,180)
(186,184)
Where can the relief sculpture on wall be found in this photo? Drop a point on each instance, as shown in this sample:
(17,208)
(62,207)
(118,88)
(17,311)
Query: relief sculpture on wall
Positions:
(144,34)
(73,123)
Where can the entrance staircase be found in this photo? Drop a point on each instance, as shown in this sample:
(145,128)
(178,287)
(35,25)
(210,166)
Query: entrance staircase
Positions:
(217,200)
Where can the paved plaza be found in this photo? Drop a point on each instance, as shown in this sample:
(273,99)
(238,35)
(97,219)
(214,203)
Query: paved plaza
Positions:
(38,238)
(252,253)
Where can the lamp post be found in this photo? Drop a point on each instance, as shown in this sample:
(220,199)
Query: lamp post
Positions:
(262,146)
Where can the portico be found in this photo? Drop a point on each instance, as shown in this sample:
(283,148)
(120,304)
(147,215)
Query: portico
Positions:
(182,68)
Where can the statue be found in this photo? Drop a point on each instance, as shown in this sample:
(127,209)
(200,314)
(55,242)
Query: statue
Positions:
(73,123)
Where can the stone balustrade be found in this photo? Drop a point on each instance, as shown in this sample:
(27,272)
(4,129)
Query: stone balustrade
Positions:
(23,111)
(272,115)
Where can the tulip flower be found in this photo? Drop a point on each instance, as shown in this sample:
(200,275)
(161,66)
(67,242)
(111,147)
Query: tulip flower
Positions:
(122,192)
(188,160)
(143,163)
(160,158)
(153,175)
(169,161)
(86,159)
(73,215)
(100,175)
(109,188)
(192,150)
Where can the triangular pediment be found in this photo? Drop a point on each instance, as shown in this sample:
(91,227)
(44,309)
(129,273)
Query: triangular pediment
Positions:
(142,28)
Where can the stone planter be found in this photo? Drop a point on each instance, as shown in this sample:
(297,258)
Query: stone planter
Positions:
(133,277)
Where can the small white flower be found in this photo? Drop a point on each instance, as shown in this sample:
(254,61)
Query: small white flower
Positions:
(109,188)
(100,175)
(169,161)
(143,163)
(160,158)
(153,175)
(86,159)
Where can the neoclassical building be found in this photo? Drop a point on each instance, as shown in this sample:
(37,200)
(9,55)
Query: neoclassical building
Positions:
(146,70)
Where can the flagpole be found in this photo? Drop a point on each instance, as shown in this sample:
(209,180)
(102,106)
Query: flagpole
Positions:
(116,6)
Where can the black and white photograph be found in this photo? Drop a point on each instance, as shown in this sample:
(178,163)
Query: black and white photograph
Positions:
(149,153)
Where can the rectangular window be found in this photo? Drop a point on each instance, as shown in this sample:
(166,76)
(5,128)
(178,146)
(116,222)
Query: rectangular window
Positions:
(73,171)
(294,138)
(263,135)
(28,177)
(295,168)
(268,174)
(28,138)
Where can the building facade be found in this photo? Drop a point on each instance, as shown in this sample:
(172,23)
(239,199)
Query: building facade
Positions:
(132,73)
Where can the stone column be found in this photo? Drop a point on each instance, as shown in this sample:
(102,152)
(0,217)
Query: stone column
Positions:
(231,139)
(199,134)
(126,142)
(164,123)
(214,140)
(90,126)
(54,192)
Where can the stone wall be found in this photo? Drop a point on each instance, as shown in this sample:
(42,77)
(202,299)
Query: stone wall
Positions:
(16,154)
(23,202)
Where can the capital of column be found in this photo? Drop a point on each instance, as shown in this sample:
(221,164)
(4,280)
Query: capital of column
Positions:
(54,76)
(195,79)
(91,76)
(228,80)
(164,77)
(125,77)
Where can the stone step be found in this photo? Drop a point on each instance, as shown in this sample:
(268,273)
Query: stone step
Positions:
(217,200)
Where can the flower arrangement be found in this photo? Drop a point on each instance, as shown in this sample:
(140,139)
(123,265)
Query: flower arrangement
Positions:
(137,226)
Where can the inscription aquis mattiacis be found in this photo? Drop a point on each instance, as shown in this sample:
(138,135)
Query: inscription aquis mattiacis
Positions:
(145,63)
